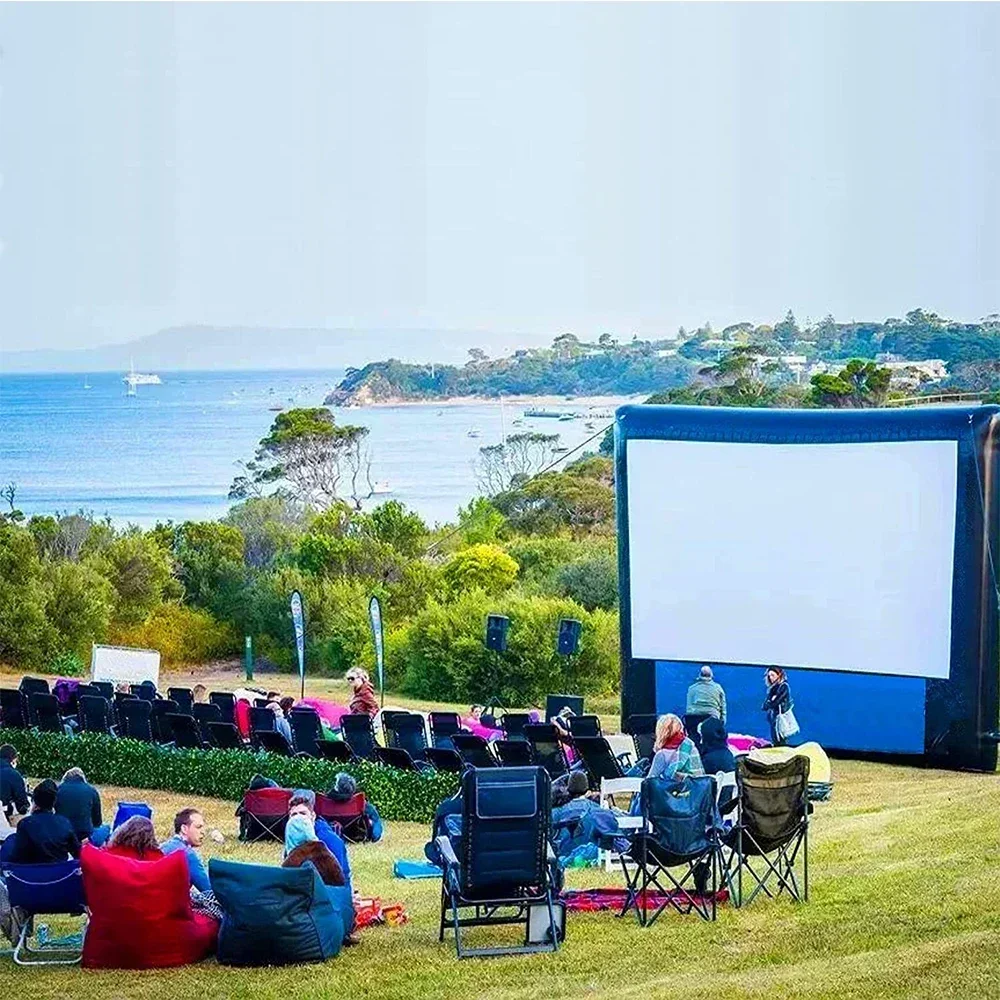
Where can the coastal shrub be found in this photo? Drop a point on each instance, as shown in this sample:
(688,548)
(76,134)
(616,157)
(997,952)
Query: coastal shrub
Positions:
(181,634)
(79,605)
(27,638)
(139,568)
(480,567)
(68,665)
(538,558)
(481,522)
(398,795)
(591,582)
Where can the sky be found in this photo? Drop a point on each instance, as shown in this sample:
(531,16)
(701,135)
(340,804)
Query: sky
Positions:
(528,167)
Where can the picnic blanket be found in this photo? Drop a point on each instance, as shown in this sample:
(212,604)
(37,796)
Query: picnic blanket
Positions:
(329,711)
(415,869)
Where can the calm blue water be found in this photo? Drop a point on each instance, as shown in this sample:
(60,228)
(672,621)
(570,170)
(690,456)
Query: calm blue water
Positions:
(170,452)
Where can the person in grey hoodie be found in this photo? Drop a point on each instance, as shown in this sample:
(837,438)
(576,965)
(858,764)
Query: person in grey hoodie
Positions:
(706,697)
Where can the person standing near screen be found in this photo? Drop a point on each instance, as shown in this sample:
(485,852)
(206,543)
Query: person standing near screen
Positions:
(706,698)
(778,700)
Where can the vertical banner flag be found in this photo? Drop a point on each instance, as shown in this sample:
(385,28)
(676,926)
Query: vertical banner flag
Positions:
(375,614)
(300,637)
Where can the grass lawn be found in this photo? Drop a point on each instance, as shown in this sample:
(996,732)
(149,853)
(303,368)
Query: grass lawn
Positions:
(904,903)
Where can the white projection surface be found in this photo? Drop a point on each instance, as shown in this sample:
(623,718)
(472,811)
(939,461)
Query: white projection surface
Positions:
(829,556)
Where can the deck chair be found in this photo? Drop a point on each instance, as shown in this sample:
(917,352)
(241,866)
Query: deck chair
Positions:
(513,724)
(444,725)
(225,736)
(349,815)
(271,741)
(406,731)
(307,731)
(772,831)
(263,813)
(642,729)
(504,868)
(161,708)
(184,698)
(514,753)
(546,750)
(94,713)
(444,759)
(184,731)
(262,719)
(584,725)
(33,685)
(359,734)
(474,750)
(12,709)
(43,712)
(680,830)
(146,691)
(598,758)
(88,691)
(46,889)
(106,688)
(134,719)
(336,751)
(398,758)
(204,713)
(227,704)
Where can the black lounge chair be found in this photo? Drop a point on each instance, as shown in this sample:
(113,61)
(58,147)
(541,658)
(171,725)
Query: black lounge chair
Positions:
(443,759)
(598,758)
(88,691)
(134,719)
(162,707)
(546,750)
(444,725)
(335,751)
(398,758)
(359,734)
(225,736)
(584,725)
(271,741)
(263,719)
(227,704)
(94,714)
(146,690)
(33,685)
(43,712)
(504,869)
(513,724)
(642,729)
(119,697)
(514,753)
(772,831)
(474,750)
(680,830)
(184,730)
(406,732)
(184,698)
(205,713)
(13,712)
(106,688)
(307,731)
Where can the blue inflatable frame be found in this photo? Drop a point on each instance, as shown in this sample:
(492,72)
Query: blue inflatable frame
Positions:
(949,723)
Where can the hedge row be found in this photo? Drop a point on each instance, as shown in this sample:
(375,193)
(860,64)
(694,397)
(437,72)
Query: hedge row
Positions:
(398,795)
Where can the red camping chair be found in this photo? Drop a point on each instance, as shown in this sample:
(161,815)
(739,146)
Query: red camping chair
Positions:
(350,815)
(263,814)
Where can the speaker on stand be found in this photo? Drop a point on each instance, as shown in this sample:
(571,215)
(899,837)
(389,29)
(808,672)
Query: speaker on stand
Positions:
(497,627)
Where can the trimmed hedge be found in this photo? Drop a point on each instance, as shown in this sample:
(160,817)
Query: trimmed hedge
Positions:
(225,774)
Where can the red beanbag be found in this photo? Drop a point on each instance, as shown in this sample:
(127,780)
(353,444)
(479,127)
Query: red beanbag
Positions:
(140,913)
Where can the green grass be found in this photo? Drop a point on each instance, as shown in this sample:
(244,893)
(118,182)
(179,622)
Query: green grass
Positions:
(905,881)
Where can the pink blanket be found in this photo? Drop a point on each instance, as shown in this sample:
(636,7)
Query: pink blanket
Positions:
(478,729)
(329,711)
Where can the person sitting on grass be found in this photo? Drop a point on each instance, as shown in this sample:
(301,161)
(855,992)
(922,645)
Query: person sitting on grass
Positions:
(13,792)
(80,803)
(44,837)
(135,838)
(303,803)
(189,834)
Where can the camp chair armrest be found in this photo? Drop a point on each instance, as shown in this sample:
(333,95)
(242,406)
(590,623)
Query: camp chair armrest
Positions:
(550,855)
(447,851)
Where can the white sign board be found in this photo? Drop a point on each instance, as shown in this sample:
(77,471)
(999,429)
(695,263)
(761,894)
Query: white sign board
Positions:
(124,665)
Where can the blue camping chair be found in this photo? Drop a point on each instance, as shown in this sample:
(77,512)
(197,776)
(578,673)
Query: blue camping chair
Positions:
(126,810)
(52,888)
(504,869)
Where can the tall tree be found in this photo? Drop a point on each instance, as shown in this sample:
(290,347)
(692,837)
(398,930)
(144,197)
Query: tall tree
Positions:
(858,384)
(502,466)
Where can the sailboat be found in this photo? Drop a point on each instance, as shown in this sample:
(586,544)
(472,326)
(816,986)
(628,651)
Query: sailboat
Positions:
(86,382)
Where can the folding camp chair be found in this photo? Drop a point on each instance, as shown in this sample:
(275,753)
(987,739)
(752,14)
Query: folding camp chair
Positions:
(106,688)
(474,750)
(444,725)
(307,731)
(407,731)
(146,691)
(349,815)
(185,733)
(386,717)
(584,725)
(88,691)
(43,712)
(514,753)
(134,717)
(546,750)
(400,759)
(263,719)
(33,685)
(46,889)
(444,759)
(642,729)
(94,713)
(184,698)
(680,829)
(12,709)
(263,813)
(204,713)
(225,736)
(119,698)
(336,751)
(773,828)
(271,741)
(513,724)
(504,869)
(359,734)
(161,708)
(227,704)
(598,758)
(124,811)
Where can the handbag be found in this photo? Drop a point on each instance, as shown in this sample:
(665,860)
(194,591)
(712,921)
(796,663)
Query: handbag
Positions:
(785,724)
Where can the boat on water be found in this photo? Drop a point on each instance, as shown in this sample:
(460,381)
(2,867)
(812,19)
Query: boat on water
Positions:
(473,432)
(275,409)
(381,488)
(590,425)
(553,414)
(567,416)
(86,383)
(559,449)
(132,378)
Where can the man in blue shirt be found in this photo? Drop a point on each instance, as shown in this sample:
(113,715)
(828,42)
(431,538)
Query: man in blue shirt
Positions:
(303,803)
(189,834)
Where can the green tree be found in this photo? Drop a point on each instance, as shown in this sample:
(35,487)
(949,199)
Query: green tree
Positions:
(79,606)
(480,567)
(480,521)
(787,331)
(745,375)
(858,384)
(141,572)
(210,566)
(503,466)
(27,638)
(403,529)
(271,527)
(592,582)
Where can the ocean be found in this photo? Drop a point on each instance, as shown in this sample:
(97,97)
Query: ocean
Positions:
(170,451)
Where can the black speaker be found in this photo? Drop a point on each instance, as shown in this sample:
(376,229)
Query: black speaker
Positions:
(496,632)
(569,636)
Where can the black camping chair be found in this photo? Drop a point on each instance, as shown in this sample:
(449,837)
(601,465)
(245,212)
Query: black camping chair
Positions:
(94,713)
(504,869)
(43,712)
(598,758)
(444,759)
(263,719)
(474,750)
(513,724)
(546,750)
(272,741)
(399,758)
(691,724)
(359,734)
(336,751)
(225,736)
(772,830)
(514,753)
(680,830)
(406,732)
(307,731)
(184,730)
(146,690)
(259,702)
(88,691)
(184,698)
(106,688)
(583,725)
(204,714)
(444,725)
(12,709)
(120,697)
(33,685)
(162,707)
(642,729)
(134,719)
(227,704)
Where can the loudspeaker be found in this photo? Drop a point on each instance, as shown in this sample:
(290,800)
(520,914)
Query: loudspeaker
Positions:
(496,632)
(569,636)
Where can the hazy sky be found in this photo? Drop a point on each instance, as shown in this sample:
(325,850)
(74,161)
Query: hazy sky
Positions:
(511,167)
